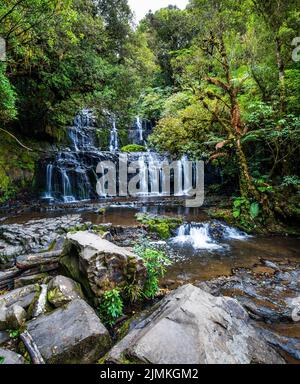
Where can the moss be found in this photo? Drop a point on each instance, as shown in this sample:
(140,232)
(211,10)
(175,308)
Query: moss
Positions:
(17,166)
(133,148)
(162,225)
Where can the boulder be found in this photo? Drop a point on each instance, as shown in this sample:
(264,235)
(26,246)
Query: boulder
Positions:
(190,326)
(100,265)
(4,337)
(10,357)
(3,315)
(22,296)
(62,290)
(15,317)
(70,335)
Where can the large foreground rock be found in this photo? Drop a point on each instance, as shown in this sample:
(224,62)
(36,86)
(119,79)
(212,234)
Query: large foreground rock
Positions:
(191,326)
(70,335)
(100,265)
(10,357)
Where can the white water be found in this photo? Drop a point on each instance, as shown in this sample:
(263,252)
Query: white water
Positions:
(198,236)
(48,194)
(114,140)
(139,127)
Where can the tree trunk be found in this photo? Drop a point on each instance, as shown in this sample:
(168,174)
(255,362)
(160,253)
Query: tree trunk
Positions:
(281,70)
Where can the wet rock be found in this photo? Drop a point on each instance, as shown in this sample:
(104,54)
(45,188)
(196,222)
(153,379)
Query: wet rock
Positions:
(190,326)
(267,293)
(15,317)
(288,344)
(3,315)
(27,280)
(62,290)
(22,296)
(37,259)
(71,334)
(10,357)
(34,235)
(98,264)
(4,337)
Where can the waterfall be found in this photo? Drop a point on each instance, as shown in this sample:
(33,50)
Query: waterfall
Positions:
(139,129)
(67,188)
(114,141)
(49,171)
(70,174)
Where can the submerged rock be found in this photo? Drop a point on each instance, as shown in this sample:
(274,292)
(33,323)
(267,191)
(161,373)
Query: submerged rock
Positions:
(98,264)
(10,357)
(70,335)
(62,290)
(190,326)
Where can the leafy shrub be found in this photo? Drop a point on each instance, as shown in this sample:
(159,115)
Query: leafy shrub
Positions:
(111,307)
(156,262)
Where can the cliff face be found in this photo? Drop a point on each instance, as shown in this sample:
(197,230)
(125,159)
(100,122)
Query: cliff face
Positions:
(17,166)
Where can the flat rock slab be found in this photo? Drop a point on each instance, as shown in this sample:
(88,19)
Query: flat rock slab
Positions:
(37,259)
(10,357)
(190,326)
(70,335)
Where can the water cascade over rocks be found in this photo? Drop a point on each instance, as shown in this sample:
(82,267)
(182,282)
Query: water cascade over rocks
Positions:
(207,236)
(70,174)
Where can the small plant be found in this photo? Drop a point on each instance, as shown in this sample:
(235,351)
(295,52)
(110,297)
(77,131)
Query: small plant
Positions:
(111,307)
(2,358)
(14,333)
(156,262)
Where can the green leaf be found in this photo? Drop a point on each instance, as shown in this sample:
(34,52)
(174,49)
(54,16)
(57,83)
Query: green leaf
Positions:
(254,210)
(2,359)
(236,213)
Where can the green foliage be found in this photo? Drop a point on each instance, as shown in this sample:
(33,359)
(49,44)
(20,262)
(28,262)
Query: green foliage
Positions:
(289,181)
(133,148)
(111,307)
(156,262)
(2,359)
(14,333)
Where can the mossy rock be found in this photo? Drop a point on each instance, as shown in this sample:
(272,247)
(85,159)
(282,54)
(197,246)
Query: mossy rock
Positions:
(162,225)
(133,148)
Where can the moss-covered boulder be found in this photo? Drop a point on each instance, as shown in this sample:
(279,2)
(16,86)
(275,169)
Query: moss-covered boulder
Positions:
(62,290)
(162,225)
(100,265)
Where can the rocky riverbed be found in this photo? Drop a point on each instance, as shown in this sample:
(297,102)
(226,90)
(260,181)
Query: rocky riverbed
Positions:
(53,272)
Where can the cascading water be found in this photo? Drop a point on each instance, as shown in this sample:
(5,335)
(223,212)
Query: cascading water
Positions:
(70,174)
(114,140)
(48,194)
(207,235)
(139,128)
